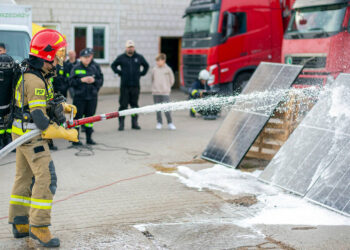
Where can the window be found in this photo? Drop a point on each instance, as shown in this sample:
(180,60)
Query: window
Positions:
(92,36)
(201,24)
(98,36)
(17,44)
(316,22)
(80,35)
(240,23)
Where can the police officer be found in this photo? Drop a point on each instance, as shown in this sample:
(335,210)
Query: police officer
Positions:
(36,181)
(130,66)
(86,78)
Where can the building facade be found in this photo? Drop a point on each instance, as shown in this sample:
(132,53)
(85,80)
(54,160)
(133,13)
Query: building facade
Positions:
(105,25)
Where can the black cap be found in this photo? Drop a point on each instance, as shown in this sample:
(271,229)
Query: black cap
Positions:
(2,45)
(86,52)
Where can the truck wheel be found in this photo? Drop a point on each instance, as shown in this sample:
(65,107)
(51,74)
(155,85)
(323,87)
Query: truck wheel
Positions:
(240,82)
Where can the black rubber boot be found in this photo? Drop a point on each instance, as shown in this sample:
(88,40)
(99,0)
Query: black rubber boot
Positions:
(2,141)
(52,146)
(43,235)
(79,143)
(20,230)
(121,123)
(8,138)
(88,132)
(134,124)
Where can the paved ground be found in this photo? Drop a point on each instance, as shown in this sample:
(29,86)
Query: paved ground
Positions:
(104,193)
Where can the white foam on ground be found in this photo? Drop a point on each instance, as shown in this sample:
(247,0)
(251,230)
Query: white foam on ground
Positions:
(224,179)
(274,206)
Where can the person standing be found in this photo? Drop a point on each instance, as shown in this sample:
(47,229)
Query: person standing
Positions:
(130,66)
(60,81)
(36,181)
(68,66)
(86,78)
(6,66)
(2,48)
(162,81)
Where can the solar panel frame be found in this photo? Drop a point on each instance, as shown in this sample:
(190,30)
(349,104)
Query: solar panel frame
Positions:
(272,74)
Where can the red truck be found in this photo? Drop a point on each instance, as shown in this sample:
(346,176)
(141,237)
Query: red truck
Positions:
(230,38)
(318,37)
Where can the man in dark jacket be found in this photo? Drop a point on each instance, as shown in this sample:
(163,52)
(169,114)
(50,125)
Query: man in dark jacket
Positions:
(86,78)
(128,67)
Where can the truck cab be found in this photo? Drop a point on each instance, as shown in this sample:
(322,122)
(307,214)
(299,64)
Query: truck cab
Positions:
(318,37)
(230,39)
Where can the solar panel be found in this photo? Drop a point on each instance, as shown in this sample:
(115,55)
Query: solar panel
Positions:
(240,129)
(332,189)
(314,161)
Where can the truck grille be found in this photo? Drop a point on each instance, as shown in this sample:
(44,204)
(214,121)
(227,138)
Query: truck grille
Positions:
(192,65)
(309,81)
(310,62)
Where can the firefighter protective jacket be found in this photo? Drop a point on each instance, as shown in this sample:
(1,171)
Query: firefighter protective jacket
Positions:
(35,97)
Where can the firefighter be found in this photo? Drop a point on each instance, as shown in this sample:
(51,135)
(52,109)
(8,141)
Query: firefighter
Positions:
(36,182)
(200,89)
(86,78)
(7,66)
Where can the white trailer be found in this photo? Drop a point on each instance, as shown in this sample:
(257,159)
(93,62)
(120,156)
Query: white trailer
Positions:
(16,29)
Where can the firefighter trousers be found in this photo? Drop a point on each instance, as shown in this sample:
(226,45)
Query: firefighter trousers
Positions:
(35,184)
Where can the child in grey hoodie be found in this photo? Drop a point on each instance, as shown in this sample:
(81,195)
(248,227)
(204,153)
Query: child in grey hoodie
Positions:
(162,81)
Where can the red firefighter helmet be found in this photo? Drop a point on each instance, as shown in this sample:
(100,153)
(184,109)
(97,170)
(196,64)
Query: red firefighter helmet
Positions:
(46,43)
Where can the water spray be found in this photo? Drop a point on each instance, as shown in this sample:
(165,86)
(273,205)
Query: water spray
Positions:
(257,102)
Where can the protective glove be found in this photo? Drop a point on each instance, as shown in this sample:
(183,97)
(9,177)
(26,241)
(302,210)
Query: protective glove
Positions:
(68,108)
(56,132)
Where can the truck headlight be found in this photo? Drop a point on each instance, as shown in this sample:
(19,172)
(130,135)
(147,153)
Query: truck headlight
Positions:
(214,71)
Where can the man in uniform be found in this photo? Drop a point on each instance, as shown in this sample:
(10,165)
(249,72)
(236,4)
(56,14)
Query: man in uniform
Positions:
(128,66)
(86,78)
(36,181)
(68,66)
(60,82)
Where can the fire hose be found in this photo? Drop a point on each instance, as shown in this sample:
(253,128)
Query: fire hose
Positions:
(69,124)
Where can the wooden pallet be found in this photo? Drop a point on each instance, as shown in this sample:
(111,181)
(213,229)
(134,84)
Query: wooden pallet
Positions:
(278,128)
